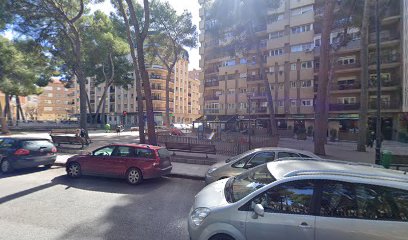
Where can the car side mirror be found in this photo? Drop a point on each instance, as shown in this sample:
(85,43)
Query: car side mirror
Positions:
(258,211)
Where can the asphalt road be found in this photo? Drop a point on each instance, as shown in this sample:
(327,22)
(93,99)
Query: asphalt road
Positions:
(45,204)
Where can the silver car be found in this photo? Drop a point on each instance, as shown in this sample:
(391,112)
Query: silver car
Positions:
(308,200)
(240,163)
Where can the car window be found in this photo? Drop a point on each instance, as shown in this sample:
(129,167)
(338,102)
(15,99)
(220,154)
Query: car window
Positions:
(400,198)
(289,198)
(338,200)
(304,156)
(123,151)
(260,158)
(163,153)
(106,151)
(35,145)
(241,163)
(6,143)
(287,154)
(377,203)
(144,153)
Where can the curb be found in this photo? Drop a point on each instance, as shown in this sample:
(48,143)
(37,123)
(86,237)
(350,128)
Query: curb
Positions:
(172,175)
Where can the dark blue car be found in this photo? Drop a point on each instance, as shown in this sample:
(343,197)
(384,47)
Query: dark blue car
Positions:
(17,153)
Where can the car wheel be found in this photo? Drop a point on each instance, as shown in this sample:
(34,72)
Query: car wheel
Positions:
(48,166)
(74,170)
(134,176)
(221,237)
(5,166)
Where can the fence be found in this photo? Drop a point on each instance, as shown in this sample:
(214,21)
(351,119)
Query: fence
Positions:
(225,146)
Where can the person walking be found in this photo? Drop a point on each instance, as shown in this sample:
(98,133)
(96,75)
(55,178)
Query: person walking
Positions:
(118,128)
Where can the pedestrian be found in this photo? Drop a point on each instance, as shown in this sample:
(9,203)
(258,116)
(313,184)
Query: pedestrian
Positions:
(370,139)
(118,130)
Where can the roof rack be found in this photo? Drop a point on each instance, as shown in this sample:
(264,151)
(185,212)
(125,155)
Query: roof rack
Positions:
(330,161)
(349,174)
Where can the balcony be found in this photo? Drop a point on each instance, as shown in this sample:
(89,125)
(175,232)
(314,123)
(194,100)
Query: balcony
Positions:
(261,110)
(211,70)
(211,111)
(344,107)
(385,36)
(254,77)
(212,84)
(386,58)
(346,86)
(155,76)
(211,98)
(387,105)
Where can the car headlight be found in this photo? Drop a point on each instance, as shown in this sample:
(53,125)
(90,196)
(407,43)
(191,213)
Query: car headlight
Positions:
(211,170)
(199,214)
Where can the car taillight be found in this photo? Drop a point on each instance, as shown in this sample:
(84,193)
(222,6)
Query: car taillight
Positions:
(53,149)
(22,152)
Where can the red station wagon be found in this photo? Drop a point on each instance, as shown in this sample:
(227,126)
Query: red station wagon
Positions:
(134,162)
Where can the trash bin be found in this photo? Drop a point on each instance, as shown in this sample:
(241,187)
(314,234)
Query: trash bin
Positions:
(386,158)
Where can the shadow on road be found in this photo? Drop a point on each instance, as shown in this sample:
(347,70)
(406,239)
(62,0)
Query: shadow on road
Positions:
(20,172)
(160,211)
(109,185)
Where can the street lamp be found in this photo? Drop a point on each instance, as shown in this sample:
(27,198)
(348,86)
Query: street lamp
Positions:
(378,124)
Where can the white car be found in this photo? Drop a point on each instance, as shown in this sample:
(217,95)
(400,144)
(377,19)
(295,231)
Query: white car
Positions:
(304,199)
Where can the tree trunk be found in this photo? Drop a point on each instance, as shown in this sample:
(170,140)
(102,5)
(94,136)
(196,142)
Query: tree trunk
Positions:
(139,97)
(83,96)
(3,122)
(21,111)
(167,117)
(7,111)
(321,115)
(17,109)
(103,111)
(143,72)
(101,102)
(262,72)
(362,121)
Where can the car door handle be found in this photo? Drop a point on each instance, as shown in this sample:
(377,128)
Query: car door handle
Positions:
(304,225)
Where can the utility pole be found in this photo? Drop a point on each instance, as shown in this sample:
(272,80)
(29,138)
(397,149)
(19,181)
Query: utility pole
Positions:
(378,125)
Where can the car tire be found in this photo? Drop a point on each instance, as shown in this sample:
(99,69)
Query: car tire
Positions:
(134,176)
(5,166)
(221,237)
(48,165)
(74,170)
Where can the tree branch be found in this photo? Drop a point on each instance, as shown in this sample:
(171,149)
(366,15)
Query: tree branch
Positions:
(146,8)
(81,11)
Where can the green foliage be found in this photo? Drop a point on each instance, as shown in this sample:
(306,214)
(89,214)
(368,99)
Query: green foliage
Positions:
(105,50)
(20,67)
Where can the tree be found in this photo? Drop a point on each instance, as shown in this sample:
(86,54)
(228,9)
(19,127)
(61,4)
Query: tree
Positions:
(244,20)
(362,121)
(105,53)
(20,71)
(173,33)
(132,43)
(140,32)
(54,23)
(321,111)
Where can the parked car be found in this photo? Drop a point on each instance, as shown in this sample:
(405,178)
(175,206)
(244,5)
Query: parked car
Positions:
(134,162)
(298,199)
(18,153)
(252,158)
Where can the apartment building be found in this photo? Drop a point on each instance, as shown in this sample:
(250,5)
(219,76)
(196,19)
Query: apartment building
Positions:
(194,96)
(120,99)
(233,87)
(55,103)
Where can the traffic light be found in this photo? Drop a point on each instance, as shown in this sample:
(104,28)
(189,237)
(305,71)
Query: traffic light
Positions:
(124,113)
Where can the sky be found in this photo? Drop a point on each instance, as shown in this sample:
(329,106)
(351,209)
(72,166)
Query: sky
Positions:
(179,5)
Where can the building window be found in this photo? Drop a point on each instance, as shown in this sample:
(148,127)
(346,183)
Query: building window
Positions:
(280,103)
(346,60)
(276,52)
(306,83)
(243,105)
(271,69)
(49,94)
(293,102)
(346,100)
(231,91)
(293,66)
(276,17)
(307,102)
(302,28)
(293,84)
(307,65)
(277,34)
(301,47)
(301,10)
(280,86)
(48,109)
(242,90)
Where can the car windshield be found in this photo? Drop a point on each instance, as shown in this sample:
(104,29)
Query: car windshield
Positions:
(242,185)
(164,153)
(6,143)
